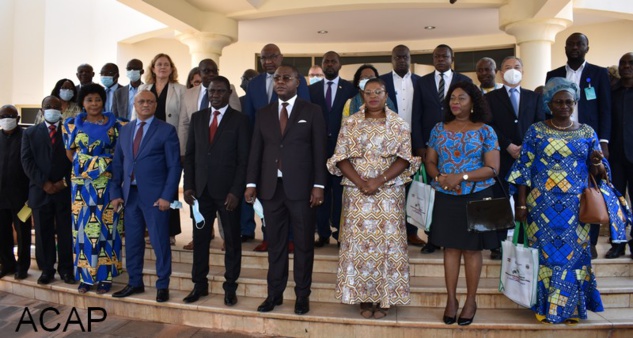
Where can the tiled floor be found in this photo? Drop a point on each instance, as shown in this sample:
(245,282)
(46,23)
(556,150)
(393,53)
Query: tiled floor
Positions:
(13,316)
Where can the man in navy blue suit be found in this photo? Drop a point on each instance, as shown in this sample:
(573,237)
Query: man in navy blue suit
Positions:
(145,175)
(594,106)
(428,103)
(400,84)
(331,94)
(260,93)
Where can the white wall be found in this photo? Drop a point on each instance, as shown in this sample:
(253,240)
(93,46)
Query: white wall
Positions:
(7,8)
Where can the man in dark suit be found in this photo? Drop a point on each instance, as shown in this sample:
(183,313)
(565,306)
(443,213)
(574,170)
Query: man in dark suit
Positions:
(14,191)
(331,94)
(428,103)
(246,78)
(594,106)
(110,81)
(215,175)
(45,163)
(400,84)
(286,169)
(145,175)
(85,73)
(514,109)
(260,92)
(124,96)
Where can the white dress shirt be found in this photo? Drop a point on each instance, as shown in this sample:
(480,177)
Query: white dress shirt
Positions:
(403,87)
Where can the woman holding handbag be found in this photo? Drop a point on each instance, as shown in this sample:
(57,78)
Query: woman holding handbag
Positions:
(557,157)
(463,158)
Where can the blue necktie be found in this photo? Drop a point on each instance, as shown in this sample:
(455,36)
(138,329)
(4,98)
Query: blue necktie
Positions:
(328,96)
(514,99)
(204,104)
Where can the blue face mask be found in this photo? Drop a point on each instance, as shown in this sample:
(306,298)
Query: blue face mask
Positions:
(52,115)
(314,80)
(66,94)
(107,81)
(134,75)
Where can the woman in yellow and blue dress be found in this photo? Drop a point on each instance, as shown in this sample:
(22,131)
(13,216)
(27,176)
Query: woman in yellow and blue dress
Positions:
(90,140)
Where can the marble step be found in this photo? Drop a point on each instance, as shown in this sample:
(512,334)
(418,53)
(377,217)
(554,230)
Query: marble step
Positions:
(324,319)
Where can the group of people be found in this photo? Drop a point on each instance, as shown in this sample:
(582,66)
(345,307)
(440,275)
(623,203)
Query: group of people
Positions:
(333,158)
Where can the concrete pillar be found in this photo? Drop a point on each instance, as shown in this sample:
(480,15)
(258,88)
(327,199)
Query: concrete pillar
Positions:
(205,45)
(535,27)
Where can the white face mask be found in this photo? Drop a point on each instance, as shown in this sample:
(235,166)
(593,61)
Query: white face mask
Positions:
(513,77)
(134,75)
(66,94)
(8,124)
(52,115)
(362,83)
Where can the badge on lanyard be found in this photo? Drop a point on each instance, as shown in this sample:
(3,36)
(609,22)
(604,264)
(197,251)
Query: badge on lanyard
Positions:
(590,92)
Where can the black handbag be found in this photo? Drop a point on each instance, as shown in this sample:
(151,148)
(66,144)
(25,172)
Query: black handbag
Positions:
(490,214)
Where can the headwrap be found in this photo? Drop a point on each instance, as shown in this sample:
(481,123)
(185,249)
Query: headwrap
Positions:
(557,84)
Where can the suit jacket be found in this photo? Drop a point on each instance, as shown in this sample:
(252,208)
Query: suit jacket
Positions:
(622,127)
(156,166)
(219,166)
(388,79)
(596,113)
(174,101)
(189,106)
(332,117)
(42,161)
(121,99)
(427,108)
(302,150)
(15,190)
(507,126)
(257,98)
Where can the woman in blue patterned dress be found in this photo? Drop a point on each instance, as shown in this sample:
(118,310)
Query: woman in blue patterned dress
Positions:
(552,171)
(90,139)
(463,158)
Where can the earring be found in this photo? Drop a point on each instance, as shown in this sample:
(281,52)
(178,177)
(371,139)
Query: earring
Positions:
(471,110)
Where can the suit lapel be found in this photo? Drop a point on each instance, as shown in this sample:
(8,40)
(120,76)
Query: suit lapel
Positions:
(147,138)
(228,115)
(294,116)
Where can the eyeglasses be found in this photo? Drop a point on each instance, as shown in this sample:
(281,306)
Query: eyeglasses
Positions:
(378,92)
(284,78)
(143,102)
(316,75)
(560,103)
(8,116)
(269,57)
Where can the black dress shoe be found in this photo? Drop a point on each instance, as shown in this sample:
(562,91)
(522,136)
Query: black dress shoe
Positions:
(495,254)
(616,250)
(428,248)
(269,304)
(302,306)
(162,295)
(45,279)
(247,238)
(20,275)
(594,252)
(4,272)
(319,243)
(230,298)
(195,294)
(128,290)
(68,278)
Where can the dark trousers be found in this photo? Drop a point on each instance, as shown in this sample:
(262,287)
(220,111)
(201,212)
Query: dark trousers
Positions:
(622,175)
(247,218)
(281,213)
(136,216)
(8,220)
(202,237)
(329,213)
(54,218)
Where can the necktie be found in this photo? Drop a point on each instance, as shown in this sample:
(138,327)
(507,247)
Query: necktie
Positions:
(214,126)
(269,86)
(109,96)
(440,90)
(283,117)
(51,133)
(204,103)
(137,139)
(514,99)
(328,96)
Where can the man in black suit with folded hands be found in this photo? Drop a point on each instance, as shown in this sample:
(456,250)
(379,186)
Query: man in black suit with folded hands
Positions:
(286,170)
(215,175)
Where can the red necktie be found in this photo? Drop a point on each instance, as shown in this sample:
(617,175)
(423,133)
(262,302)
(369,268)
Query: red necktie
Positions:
(214,126)
(283,117)
(137,139)
(51,133)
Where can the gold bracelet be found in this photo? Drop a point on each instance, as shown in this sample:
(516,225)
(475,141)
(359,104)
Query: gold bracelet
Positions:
(522,207)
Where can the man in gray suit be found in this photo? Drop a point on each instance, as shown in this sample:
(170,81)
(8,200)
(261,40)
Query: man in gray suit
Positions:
(123,102)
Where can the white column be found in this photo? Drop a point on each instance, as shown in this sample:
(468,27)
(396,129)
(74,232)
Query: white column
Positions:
(205,45)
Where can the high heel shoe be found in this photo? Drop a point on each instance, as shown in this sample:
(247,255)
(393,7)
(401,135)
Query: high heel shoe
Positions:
(617,250)
(461,321)
(451,320)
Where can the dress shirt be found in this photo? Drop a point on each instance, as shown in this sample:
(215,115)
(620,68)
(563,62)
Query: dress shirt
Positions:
(219,118)
(574,76)
(448,77)
(518,95)
(148,122)
(203,91)
(56,124)
(131,93)
(110,96)
(488,90)
(334,86)
(403,87)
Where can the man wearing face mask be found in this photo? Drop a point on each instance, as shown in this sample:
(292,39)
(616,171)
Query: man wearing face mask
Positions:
(48,169)
(109,77)
(124,96)
(514,110)
(315,74)
(14,185)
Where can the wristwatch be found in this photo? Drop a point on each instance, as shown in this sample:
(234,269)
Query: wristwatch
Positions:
(465,177)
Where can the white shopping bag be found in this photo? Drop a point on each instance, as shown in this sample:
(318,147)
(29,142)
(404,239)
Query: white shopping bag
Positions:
(519,270)
(420,201)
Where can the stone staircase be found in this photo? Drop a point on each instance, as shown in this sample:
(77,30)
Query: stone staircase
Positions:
(496,317)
